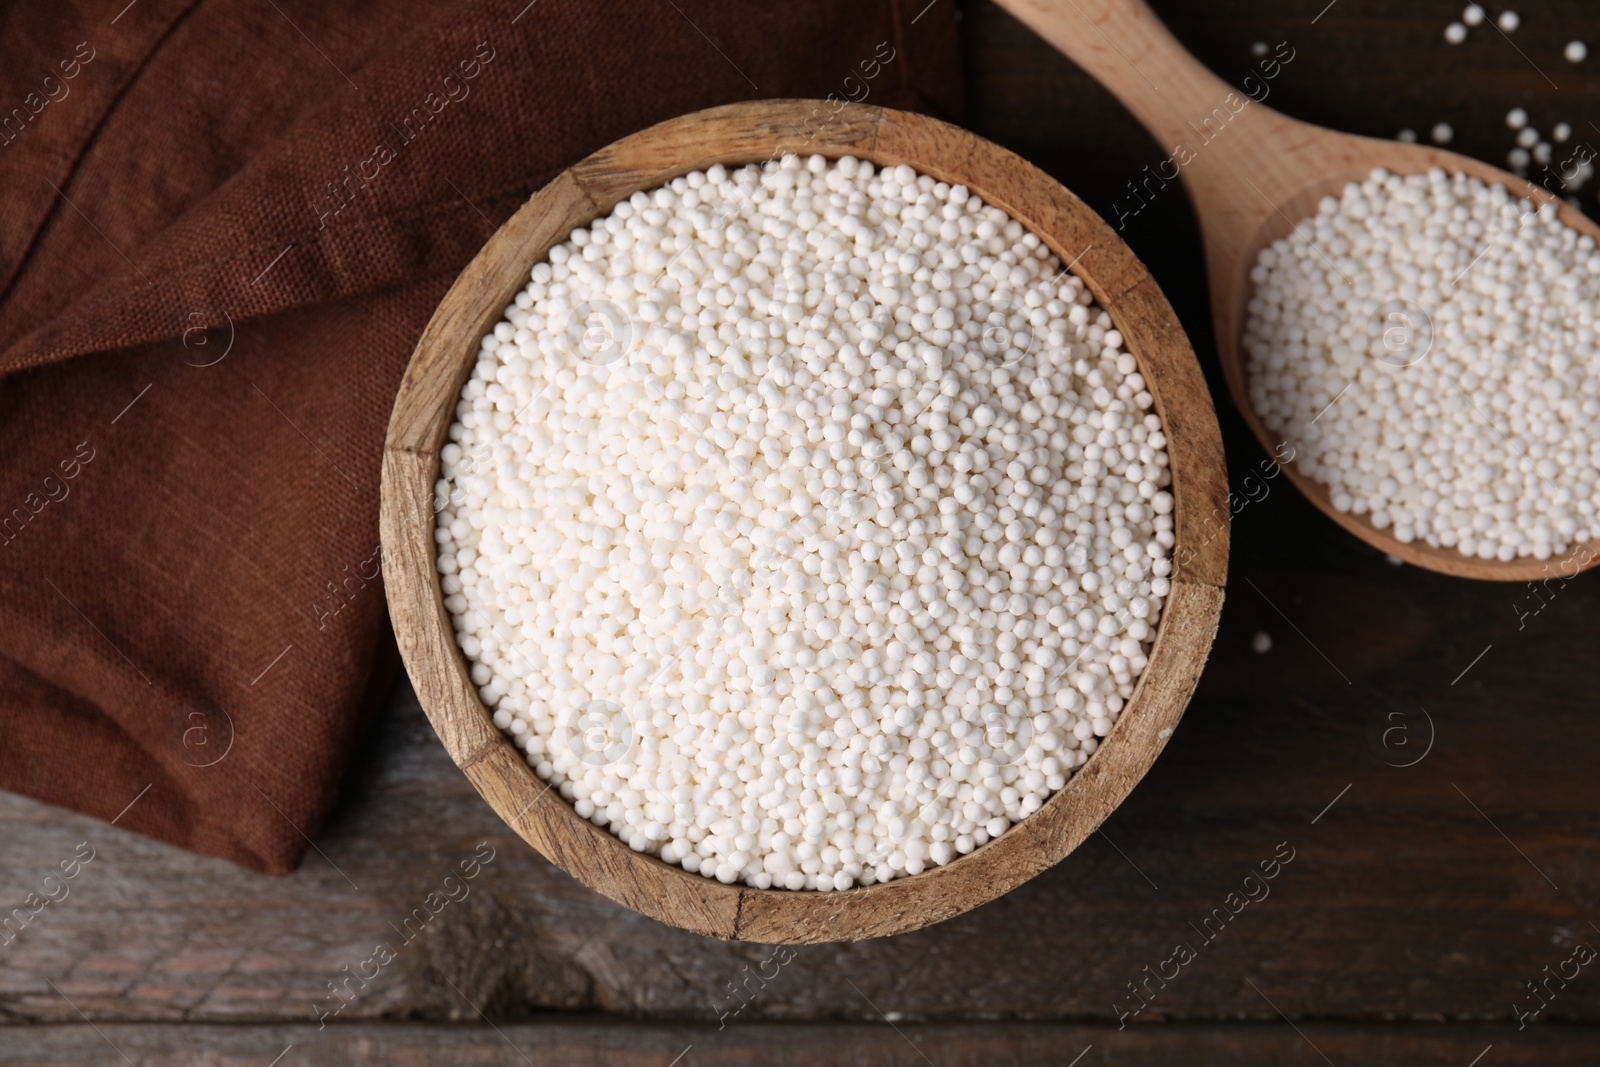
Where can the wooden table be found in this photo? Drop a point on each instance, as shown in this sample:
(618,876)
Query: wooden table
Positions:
(1425,746)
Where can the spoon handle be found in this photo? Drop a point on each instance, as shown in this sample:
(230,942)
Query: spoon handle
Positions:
(1236,155)
(1124,46)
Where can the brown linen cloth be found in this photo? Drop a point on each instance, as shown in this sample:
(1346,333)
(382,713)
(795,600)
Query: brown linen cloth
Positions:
(223,224)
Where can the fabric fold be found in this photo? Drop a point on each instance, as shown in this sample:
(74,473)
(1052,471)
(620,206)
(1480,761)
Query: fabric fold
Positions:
(222,236)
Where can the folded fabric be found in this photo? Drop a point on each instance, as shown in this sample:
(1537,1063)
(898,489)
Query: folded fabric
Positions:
(224,226)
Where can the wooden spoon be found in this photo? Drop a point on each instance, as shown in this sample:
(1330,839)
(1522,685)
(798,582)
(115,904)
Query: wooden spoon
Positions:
(1252,174)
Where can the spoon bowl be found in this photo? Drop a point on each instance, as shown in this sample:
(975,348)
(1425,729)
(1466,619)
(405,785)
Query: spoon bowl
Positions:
(1253,174)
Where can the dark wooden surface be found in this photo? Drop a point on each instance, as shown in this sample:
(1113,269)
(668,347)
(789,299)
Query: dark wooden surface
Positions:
(1456,864)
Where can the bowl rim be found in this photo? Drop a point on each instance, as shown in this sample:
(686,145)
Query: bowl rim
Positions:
(754,132)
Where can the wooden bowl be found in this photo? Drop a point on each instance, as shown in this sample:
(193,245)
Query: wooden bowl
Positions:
(753,133)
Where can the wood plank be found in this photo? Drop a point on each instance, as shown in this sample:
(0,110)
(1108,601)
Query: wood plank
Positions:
(1401,901)
(594,1043)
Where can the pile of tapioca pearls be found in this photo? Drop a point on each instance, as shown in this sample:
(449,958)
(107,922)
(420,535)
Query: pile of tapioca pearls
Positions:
(808,524)
(1428,344)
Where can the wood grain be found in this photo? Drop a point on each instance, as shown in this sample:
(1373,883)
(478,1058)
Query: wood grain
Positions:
(1403,902)
(1251,191)
(755,132)
(599,1043)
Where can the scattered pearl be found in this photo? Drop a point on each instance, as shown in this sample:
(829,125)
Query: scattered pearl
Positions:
(806,524)
(1260,49)
(1261,643)
(1576,52)
(1407,135)
(1561,132)
(1428,344)
(1508,21)
(1516,118)
(1443,133)
(1455,33)
(1473,15)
